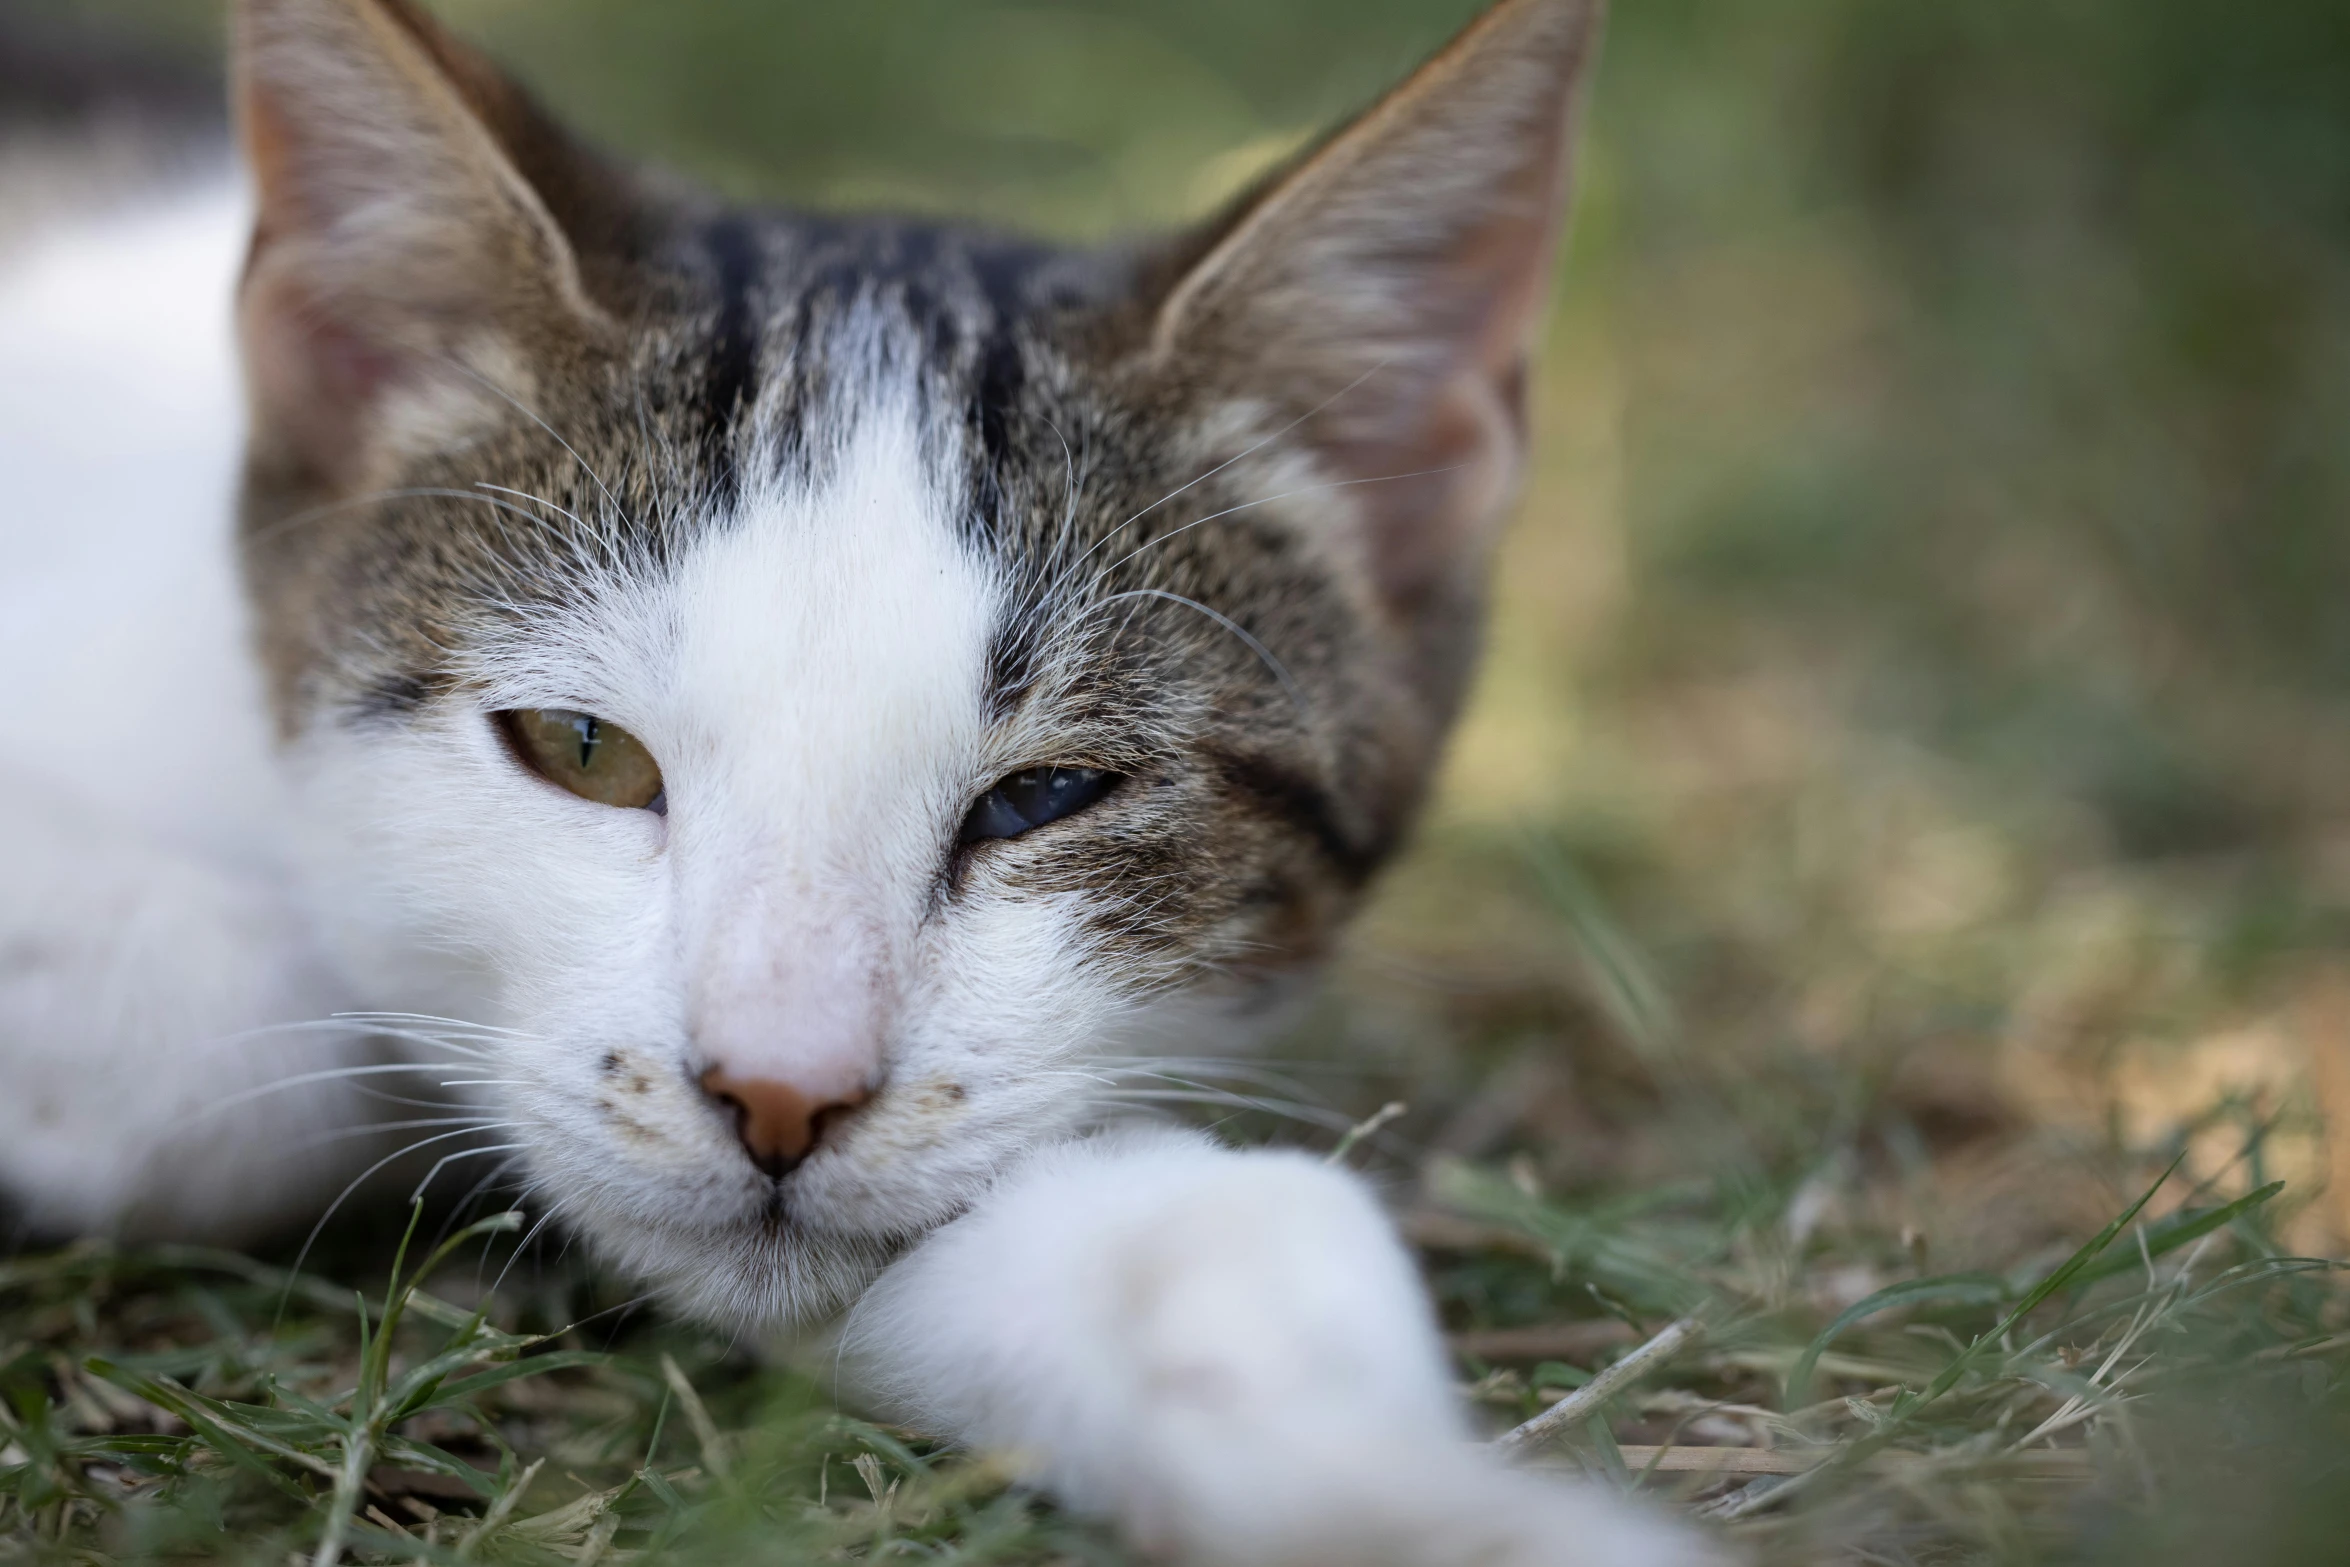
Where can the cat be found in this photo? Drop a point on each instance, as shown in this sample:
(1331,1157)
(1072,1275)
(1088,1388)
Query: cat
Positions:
(822,698)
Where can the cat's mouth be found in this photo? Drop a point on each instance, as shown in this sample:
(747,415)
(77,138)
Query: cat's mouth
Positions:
(664,1180)
(779,1259)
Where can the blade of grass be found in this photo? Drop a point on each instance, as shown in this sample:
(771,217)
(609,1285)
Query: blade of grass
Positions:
(2180,1229)
(2065,1274)
(1970,1289)
(222,1424)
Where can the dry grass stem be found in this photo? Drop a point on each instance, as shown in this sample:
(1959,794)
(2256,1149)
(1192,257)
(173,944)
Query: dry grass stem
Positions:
(1593,1396)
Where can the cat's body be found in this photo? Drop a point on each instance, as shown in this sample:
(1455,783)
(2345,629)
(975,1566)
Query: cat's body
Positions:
(150,906)
(1001,660)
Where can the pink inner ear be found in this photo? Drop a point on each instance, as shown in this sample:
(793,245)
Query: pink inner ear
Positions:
(1428,495)
(313,378)
(1435,448)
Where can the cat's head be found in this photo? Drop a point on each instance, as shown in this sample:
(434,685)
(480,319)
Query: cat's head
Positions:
(822,686)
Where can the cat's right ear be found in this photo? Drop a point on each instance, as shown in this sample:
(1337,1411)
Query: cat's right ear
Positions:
(1377,303)
(406,277)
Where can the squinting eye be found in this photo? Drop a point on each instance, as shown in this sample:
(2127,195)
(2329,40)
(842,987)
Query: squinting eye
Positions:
(593,759)
(1032,797)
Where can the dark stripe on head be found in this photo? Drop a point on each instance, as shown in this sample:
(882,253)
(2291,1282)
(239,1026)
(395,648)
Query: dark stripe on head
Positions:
(390,698)
(1001,273)
(1003,376)
(727,389)
(1011,666)
(999,378)
(997,383)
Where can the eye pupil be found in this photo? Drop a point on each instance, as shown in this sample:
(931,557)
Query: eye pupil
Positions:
(1032,797)
(591,758)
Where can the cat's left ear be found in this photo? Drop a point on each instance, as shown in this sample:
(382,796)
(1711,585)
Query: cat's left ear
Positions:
(406,270)
(1386,291)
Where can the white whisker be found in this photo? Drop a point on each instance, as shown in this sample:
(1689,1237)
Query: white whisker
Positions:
(446,1160)
(1268,500)
(1329,1120)
(414,1019)
(532,415)
(347,1133)
(520,1247)
(333,1074)
(1280,671)
(356,1181)
(537,500)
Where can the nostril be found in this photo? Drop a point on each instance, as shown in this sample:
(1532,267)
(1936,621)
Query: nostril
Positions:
(778,1124)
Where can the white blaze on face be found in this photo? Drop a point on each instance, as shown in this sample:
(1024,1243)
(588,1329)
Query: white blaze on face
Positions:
(822,737)
(810,674)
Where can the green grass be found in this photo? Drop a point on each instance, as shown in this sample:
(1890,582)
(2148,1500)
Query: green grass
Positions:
(183,1405)
(237,1412)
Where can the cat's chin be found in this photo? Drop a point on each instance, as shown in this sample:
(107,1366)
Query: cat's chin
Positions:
(762,1273)
(763,1256)
(690,1219)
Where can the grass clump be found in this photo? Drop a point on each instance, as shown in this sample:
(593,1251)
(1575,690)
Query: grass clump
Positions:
(2080,1405)
(241,1413)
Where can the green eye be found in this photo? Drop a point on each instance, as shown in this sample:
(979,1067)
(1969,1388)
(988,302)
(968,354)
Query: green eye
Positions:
(593,759)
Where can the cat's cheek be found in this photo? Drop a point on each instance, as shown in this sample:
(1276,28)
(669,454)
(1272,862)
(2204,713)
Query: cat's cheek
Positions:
(452,883)
(598,1173)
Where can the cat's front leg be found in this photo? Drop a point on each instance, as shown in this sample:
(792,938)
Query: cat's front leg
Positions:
(1230,1355)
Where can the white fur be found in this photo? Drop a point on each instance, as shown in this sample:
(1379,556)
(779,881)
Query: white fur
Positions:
(1226,1352)
(147,922)
(119,432)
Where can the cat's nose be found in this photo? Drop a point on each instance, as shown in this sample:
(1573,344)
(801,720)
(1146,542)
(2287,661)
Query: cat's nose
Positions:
(779,1124)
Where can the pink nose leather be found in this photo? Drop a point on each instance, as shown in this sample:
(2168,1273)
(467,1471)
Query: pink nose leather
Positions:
(778,1124)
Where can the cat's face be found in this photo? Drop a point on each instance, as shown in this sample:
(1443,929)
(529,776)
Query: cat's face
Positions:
(834,660)
(825,691)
